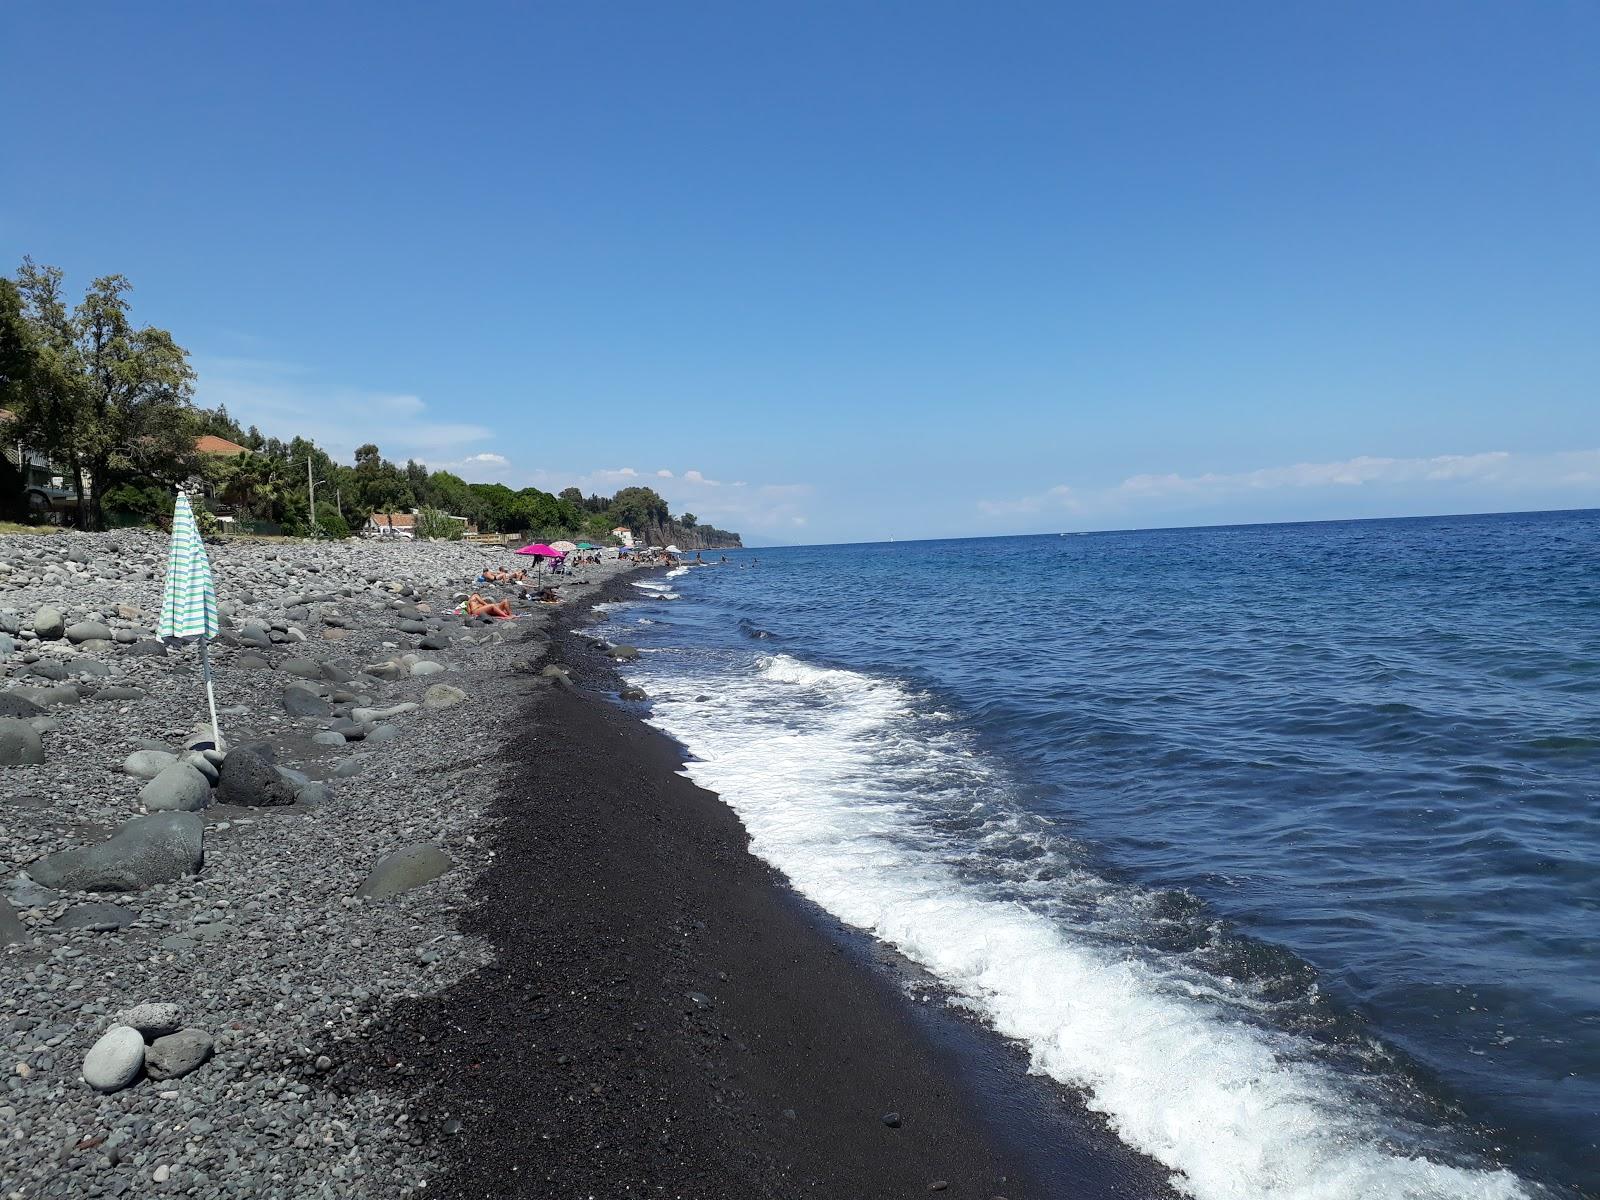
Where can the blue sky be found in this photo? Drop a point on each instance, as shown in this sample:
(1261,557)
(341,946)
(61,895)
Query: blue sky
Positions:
(852,271)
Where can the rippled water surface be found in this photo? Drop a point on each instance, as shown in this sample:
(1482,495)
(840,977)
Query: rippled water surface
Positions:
(1280,841)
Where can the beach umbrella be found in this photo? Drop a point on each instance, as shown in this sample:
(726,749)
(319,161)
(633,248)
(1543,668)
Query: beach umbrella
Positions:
(541,550)
(584,546)
(189,605)
(673,550)
(564,547)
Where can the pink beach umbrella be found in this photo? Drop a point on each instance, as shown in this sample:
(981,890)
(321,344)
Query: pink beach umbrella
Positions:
(540,549)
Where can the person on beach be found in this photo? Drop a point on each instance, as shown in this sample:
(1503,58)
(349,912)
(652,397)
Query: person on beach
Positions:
(477,606)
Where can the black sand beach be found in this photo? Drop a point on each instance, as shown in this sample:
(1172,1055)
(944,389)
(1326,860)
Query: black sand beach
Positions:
(665,1017)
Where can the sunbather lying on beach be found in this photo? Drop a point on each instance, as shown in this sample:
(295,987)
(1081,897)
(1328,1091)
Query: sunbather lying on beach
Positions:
(477,606)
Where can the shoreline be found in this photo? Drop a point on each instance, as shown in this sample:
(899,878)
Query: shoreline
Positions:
(665,1001)
(721,1036)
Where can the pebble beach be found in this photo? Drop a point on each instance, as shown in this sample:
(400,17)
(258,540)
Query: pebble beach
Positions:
(198,945)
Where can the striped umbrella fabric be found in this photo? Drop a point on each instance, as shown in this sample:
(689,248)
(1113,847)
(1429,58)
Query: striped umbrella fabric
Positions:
(189,608)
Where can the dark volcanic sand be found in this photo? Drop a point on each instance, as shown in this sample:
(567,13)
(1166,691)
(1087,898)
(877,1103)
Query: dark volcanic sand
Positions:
(666,1018)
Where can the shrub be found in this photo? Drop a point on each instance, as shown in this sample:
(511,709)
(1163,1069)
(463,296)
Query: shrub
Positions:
(330,524)
(438,526)
(150,504)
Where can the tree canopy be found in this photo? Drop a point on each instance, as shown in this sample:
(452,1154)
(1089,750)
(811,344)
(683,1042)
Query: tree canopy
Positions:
(111,403)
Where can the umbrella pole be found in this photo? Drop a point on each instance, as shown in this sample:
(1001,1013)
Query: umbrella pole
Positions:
(211,695)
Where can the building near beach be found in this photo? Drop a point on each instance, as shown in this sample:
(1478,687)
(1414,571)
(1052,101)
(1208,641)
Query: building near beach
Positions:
(624,535)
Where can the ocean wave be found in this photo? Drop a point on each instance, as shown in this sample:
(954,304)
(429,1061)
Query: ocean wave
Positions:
(899,826)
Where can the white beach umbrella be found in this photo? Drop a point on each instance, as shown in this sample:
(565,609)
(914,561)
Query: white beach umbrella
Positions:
(189,606)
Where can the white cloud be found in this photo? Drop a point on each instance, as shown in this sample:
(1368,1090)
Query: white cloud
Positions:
(287,400)
(664,474)
(1352,472)
(1498,469)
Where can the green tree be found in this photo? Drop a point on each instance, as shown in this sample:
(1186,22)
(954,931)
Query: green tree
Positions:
(19,355)
(640,509)
(688,520)
(381,485)
(111,399)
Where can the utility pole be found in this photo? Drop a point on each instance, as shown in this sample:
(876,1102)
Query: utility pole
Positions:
(311,490)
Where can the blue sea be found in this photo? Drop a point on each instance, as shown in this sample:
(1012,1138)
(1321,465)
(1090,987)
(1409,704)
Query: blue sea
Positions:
(1281,843)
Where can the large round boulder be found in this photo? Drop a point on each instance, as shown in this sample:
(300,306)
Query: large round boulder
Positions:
(303,702)
(12,705)
(20,744)
(147,764)
(154,849)
(249,780)
(403,869)
(87,631)
(48,623)
(178,788)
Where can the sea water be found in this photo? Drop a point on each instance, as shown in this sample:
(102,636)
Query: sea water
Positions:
(1279,842)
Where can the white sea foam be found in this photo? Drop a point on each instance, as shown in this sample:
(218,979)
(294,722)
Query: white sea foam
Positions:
(823,766)
(677,571)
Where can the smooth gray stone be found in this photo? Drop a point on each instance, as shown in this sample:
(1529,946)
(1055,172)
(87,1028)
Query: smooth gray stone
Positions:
(146,649)
(303,702)
(13,705)
(305,668)
(48,623)
(198,760)
(179,788)
(115,1060)
(111,694)
(252,781)
(154,849)
(46,668)
(25,893)
(350,767)
(427,667)
(312,792)
(12,930)
(61,693)
(368,715)
(328,738)
(20,743)
(147,764)
(88,631)
(252,662)
(404,869)
(96,916)
(383,733)
(175,1055)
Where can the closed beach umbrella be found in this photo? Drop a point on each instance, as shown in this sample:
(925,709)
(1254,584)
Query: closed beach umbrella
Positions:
(189,605)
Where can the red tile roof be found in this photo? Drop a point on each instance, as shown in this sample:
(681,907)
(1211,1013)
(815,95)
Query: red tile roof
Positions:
(211,444)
